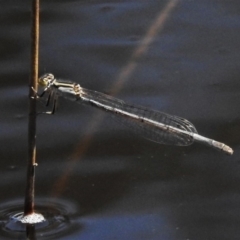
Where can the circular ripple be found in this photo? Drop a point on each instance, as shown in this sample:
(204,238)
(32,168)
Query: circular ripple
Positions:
(58,214)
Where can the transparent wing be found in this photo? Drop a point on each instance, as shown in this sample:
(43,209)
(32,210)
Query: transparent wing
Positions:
(150,131)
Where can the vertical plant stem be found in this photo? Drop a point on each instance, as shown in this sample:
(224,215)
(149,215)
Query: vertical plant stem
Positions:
(29,194)
(30,232)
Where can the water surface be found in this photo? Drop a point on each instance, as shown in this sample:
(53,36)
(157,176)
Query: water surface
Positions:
(179,57)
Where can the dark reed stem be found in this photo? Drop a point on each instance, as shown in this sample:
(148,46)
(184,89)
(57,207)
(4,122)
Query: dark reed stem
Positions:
(30,187)
(30,232)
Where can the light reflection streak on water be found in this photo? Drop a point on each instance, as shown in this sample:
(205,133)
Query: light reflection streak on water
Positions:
(154,29)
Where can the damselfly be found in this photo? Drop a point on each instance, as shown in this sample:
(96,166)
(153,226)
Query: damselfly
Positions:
(153,125)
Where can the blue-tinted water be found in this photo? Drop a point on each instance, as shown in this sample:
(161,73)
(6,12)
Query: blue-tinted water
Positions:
(176,56)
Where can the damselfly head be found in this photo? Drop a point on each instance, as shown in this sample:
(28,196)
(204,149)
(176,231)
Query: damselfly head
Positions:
(45,79)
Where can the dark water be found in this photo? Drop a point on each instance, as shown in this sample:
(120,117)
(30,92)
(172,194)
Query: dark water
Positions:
(180,57)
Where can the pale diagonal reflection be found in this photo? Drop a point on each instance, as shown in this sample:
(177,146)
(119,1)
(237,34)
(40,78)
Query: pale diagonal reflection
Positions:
(124,74)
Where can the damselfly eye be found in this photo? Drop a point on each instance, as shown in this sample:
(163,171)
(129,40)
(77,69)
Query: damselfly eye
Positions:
(49,76)
(45,79)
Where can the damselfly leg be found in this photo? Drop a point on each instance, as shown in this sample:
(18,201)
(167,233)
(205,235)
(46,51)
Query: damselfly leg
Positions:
(51,95)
